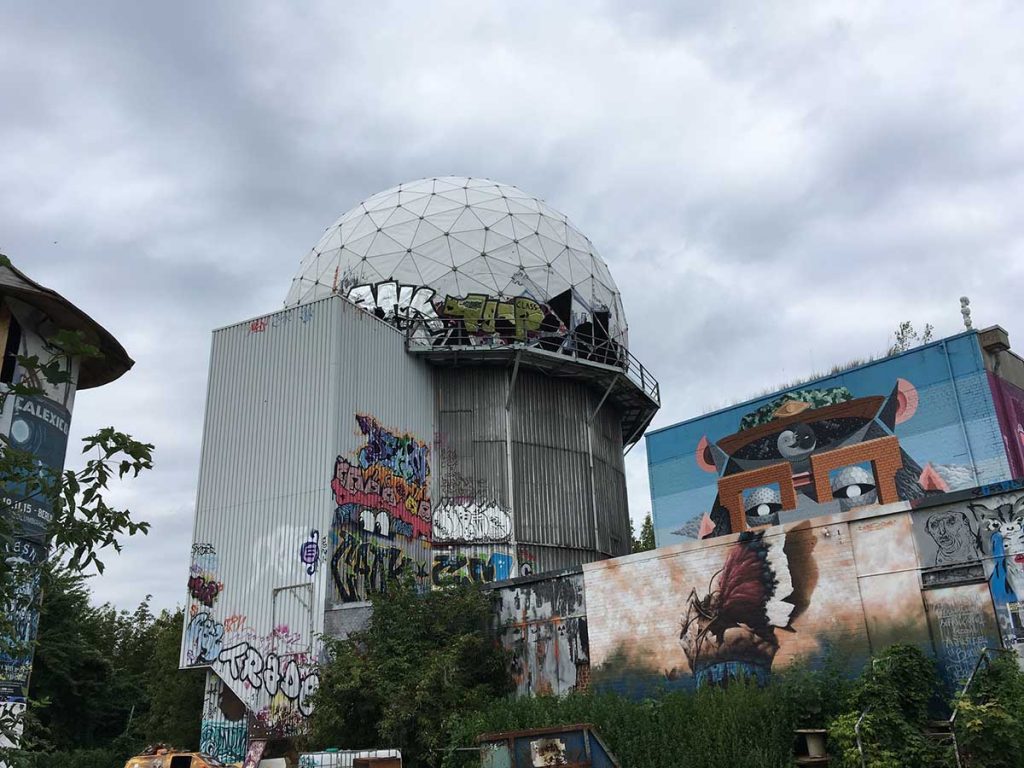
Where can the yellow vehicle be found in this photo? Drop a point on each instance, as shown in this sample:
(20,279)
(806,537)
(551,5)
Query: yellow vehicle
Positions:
(163,757)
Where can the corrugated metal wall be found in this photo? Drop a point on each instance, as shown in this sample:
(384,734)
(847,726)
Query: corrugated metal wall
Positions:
(284,394)
(554,488)
(331,457)
(560,466)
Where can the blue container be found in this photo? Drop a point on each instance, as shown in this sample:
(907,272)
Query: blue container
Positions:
(569,746)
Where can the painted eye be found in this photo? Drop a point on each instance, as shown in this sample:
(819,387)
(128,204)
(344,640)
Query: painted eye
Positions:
(764,510)
(1011,527)
(383,524)
(853,490)
(992,525)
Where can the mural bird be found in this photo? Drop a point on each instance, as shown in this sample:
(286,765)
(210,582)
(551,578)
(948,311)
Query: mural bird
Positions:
(730,632)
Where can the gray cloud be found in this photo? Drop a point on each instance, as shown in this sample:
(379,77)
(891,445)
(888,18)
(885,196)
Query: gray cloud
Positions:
(775,188)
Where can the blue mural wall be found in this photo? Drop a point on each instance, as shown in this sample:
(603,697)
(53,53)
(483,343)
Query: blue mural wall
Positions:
(728,470)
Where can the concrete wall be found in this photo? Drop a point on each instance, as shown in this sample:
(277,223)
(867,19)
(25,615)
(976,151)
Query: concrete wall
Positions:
(943,575)
(902,428)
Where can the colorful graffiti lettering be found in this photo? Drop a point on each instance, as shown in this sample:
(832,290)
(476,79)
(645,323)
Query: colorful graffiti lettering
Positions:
(404,455)
(467,521)
(225,741)
(376,489)
(259,325)
(395,303)
(204,590)
(458,568)
(309,552)
(203,582)
(382,513)
(272,674)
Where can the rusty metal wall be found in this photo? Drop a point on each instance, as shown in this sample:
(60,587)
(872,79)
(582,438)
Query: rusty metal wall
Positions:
(542,623)
(284,394)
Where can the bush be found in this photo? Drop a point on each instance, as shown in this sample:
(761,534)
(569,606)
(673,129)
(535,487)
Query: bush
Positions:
(896,691)
(990,719)
(740,726)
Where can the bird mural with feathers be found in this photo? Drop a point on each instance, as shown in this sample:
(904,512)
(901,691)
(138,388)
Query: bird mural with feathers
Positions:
(730,631)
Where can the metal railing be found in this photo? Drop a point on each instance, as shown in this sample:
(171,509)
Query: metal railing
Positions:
(425,334)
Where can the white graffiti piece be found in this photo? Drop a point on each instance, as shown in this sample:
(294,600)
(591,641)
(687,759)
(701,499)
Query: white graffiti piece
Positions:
(393,302)
(471,522)
(272,674)
(203,639)
(12,716)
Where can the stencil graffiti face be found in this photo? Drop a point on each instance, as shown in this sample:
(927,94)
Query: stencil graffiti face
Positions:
(950,530)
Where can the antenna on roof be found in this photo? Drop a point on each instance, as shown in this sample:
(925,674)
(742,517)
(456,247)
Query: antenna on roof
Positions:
(965,310)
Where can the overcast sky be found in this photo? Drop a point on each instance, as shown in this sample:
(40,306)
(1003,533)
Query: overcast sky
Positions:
(774,189)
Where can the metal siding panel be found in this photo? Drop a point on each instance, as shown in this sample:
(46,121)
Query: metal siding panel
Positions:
(281,405)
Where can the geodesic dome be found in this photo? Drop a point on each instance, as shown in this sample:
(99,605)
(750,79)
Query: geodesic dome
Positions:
(501,263)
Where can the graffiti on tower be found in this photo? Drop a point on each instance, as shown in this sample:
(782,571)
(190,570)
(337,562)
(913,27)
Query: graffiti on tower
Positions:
(382,516)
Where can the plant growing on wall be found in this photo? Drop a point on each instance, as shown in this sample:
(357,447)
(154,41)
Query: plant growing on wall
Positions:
(905,337)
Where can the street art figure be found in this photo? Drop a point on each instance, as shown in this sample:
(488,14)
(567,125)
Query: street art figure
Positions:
(954,539)
(730,631)
(810,451)
(1001,540)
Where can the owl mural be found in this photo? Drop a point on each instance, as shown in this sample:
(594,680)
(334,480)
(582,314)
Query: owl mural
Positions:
(811,452)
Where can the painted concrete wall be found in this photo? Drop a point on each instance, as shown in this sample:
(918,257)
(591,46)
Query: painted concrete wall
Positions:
(902,428)
(947,576)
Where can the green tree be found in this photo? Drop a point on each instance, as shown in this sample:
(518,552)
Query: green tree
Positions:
(422,659)
(107,682)
(175,696)
(645,541)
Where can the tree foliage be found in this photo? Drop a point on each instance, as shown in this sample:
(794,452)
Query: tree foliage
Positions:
(106,682)
(422,659)
(77,520)
(905,337)
(645,541)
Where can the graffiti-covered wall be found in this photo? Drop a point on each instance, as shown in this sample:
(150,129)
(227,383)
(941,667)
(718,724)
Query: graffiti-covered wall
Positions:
(542,623)
(943,575)
(899,429)
(315,487)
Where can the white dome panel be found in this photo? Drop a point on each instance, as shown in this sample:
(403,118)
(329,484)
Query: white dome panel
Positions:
(504,267)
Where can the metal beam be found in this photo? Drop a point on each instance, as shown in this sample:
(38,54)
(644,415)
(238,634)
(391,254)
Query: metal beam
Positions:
(611,384)
(512,383)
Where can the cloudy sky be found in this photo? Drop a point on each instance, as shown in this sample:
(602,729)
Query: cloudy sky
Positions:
(774,188)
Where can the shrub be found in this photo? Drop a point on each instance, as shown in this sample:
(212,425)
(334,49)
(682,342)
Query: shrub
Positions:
(990,719)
